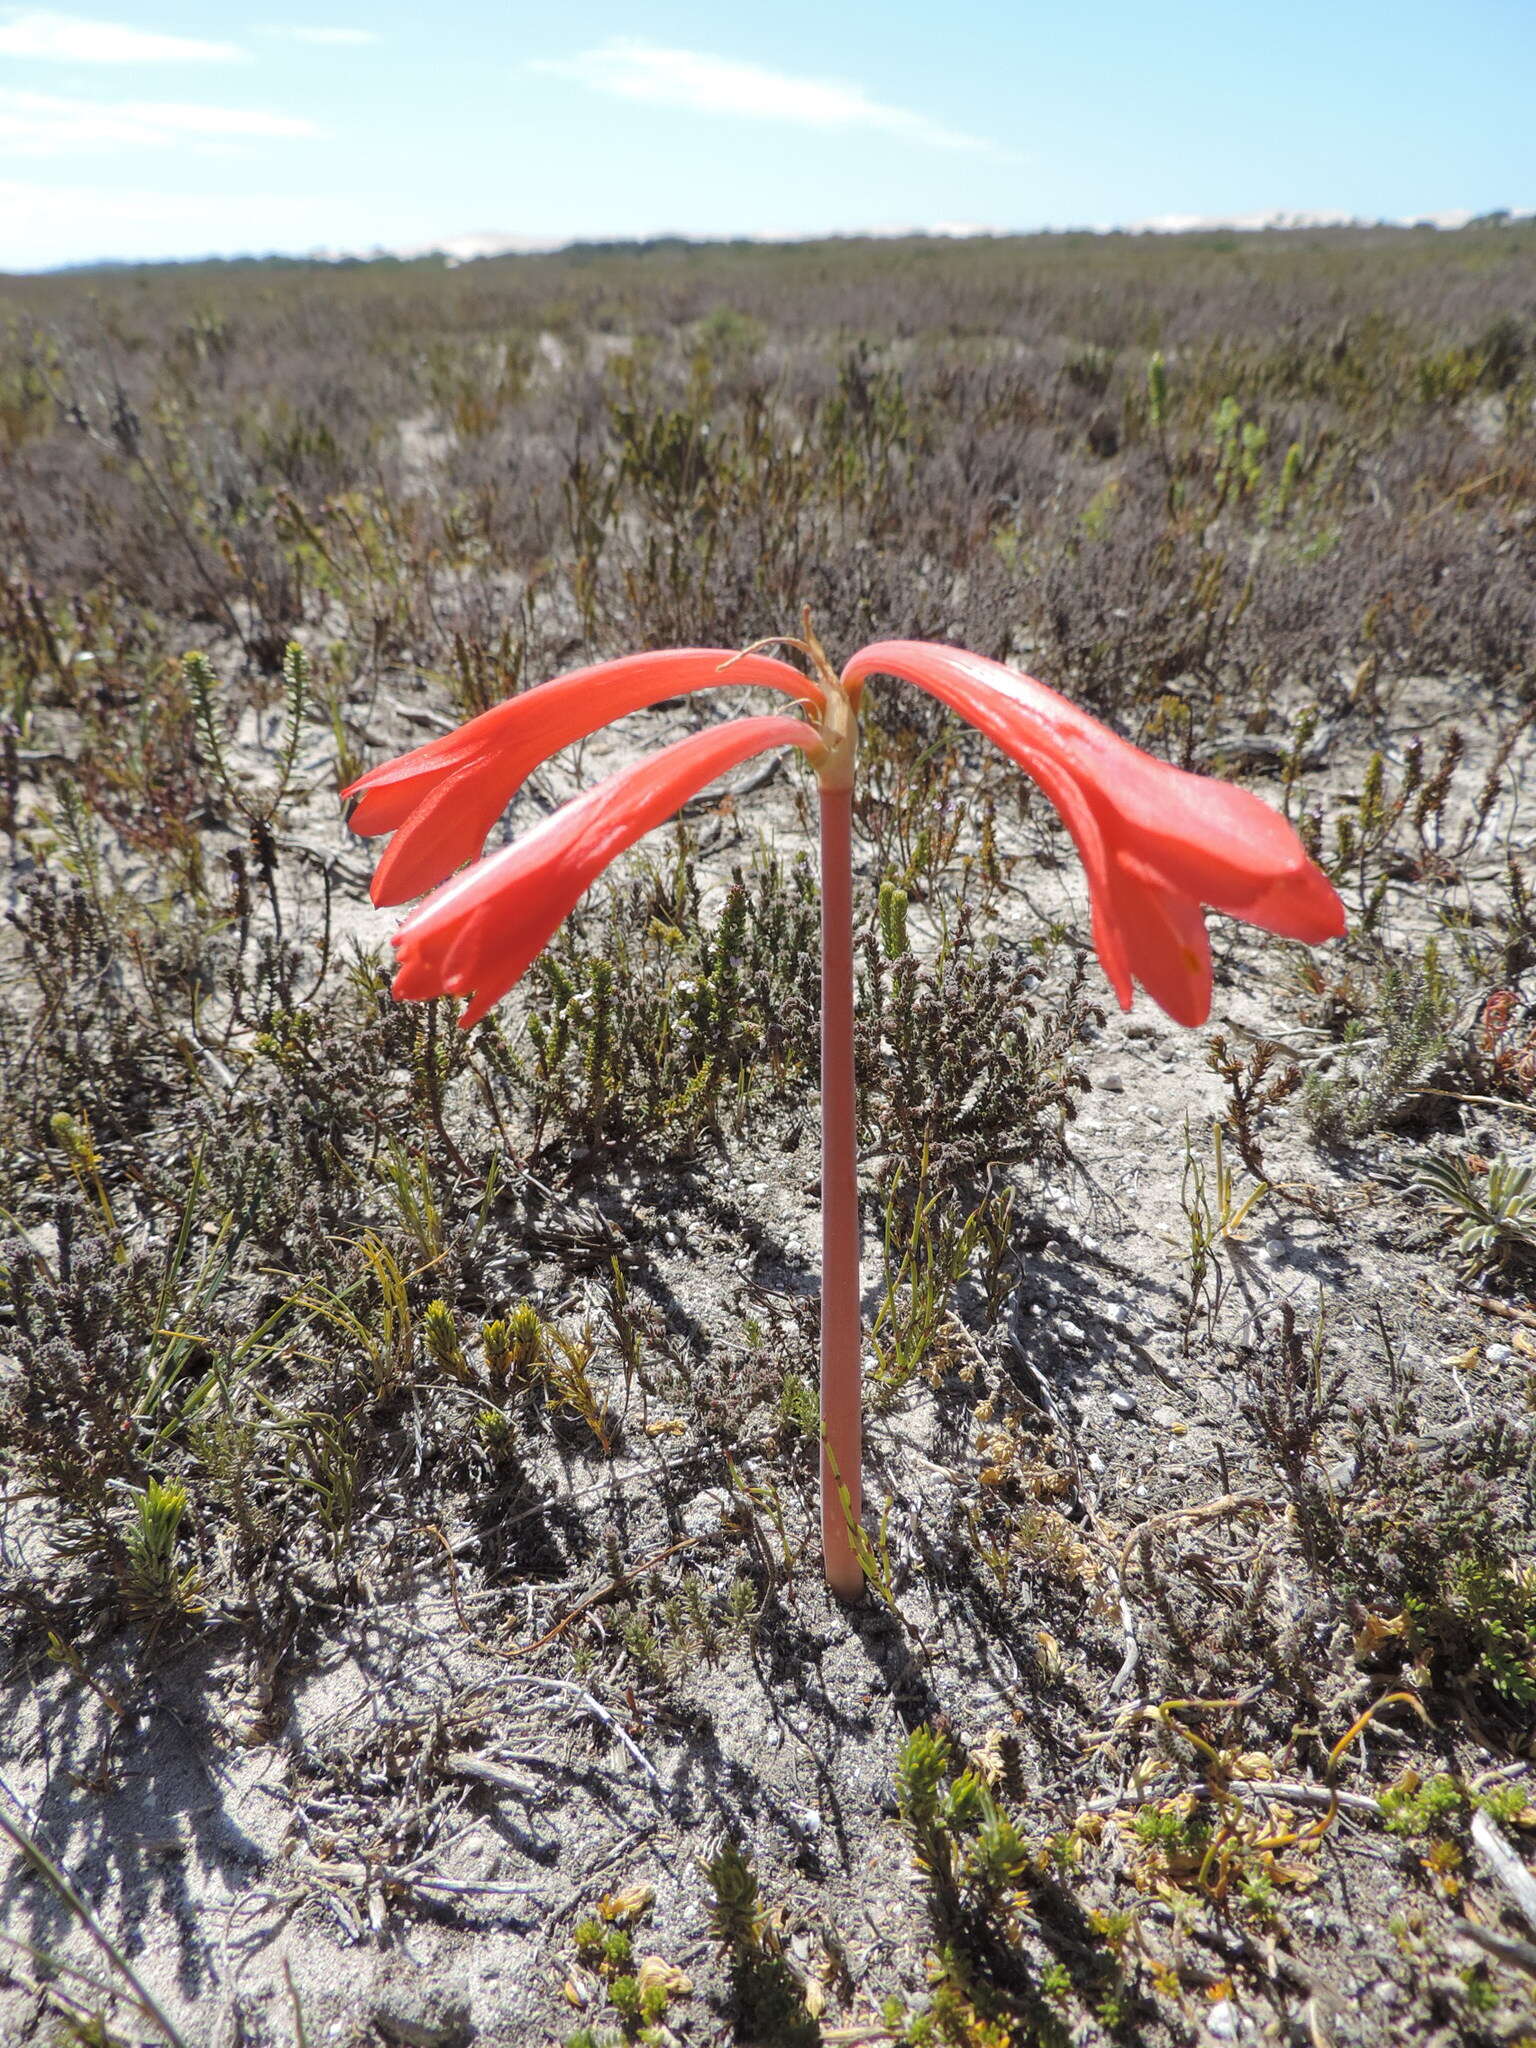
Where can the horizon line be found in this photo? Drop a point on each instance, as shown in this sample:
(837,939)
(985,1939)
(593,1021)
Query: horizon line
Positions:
(458,250)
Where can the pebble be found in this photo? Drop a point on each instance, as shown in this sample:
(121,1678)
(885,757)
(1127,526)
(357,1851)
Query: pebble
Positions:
(1122,1403)
(1070,1332)
(703,1515)
(1275,1248)
(1498,1354)
(1224,2020)
(1112,1084)
(1343,1474)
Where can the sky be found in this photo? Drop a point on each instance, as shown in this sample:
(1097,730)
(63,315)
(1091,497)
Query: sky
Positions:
(161,128)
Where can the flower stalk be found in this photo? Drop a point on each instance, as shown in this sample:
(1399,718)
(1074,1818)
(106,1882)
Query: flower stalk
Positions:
(841,1321)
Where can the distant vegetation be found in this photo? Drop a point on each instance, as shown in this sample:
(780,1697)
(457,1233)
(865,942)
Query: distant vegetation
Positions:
(949,439)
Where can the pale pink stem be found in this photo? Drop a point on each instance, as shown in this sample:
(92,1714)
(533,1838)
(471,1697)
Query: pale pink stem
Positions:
(841,1329)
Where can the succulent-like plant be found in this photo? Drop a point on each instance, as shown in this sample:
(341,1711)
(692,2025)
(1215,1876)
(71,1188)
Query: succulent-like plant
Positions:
(1495,1223)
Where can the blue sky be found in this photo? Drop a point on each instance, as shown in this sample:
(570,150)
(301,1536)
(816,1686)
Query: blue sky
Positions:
(143,129)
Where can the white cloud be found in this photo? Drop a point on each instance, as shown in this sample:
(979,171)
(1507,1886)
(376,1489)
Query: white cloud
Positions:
(701,84)
(40,124)
(68,39)
(337,38)
(56,205)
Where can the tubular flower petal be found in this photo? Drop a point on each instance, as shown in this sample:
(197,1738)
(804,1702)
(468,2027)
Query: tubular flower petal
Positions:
(477,935)
(441,800)
(1157,842)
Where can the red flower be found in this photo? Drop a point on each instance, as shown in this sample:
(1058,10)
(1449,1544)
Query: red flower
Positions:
(1156,841)
(478,934)
(1158,844)
(441,800)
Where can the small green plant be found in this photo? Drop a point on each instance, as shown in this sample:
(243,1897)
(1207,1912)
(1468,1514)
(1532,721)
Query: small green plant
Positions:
(1179,1830)
(978,1867)
(770,1998)
(203,688)
(1488,1604)
(380,1342)
(325,1462)
(797,1405)
(1290,1398)
(409,1181)
(1445,1564)
(441,1336)
(1214,1213)
(1424,1806)
(1284,494)
(1157,393)
(571,1391)
(495,1431)
(156,1586)
(73,1135)
(928,1251)
(892,916)
(1241,446)
(656,1023)
(1395,1033)
(1507,1805)
(640,1993)
(514,1347)
(1495,1224)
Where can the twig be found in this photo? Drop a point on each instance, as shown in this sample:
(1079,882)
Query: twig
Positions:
(468,1766)
(420,714)
(610,1591)
(1481,1101)
(1205,1511)
(1507,1947)
(356,1877)
(595,1706)
(1294,1794)
(1489,1306)
(589,1700)
(340,1870)
(300,2033)
(462,1888)
(1132,1658)
(721,793)
(1505,1863)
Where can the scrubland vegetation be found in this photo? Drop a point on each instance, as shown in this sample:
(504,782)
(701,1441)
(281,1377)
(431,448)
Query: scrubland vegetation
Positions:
(409,1616)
